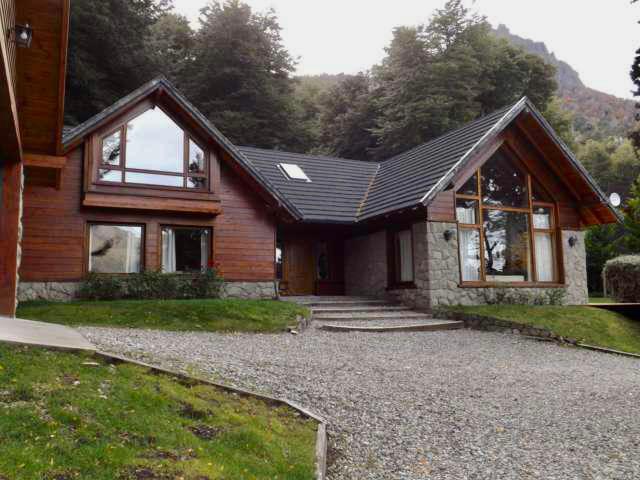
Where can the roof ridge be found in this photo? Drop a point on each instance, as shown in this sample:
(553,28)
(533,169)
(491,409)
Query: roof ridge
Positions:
(366,193)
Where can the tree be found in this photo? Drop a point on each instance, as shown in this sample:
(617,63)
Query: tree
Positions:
(438,76)
(561,121)
(107,58)
(170,44)
(347,116)
(240,76)
(632,219)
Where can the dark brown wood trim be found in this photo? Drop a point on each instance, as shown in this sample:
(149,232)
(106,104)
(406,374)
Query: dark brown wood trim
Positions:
(151,203)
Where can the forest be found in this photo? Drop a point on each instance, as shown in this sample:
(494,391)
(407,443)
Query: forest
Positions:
(434,77)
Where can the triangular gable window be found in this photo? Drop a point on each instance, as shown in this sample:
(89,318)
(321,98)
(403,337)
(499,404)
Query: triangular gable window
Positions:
(507,227)
(151,149)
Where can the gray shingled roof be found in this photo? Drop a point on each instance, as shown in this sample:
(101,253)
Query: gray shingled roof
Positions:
(337,185)
(348,191)
(404,180)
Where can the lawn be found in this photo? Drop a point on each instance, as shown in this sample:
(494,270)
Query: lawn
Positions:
(210,315)
(68,416)
(601,300)
(589,325)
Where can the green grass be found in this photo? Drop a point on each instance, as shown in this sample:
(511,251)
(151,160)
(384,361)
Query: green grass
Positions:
(590,325)
(62,419)
(211,315)
(601,300)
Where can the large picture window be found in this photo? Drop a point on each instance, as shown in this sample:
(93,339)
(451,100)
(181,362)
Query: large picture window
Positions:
(506,224)
(115,248)
(185,249)
(152,150)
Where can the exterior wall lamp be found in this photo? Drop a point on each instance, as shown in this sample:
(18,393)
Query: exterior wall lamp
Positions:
(573,241)
(448,235)
(23,34)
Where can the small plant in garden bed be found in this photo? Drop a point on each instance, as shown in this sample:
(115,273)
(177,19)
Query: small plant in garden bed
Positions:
(149,285)
(68,416)
(211,315)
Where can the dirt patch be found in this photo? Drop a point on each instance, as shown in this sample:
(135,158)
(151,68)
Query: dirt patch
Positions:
(146,473)
(187,410)
(169,455)
(59,475)
(206,432)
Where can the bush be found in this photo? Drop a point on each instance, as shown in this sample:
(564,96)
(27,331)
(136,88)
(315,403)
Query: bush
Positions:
(622,277)
(151,286)
(553,296)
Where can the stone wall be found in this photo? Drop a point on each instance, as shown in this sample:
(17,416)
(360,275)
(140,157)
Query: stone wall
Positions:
(365,264)
(65,291)
(444,272)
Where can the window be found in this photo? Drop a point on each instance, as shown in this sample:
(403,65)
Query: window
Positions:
(115,248)
(279,259)
(293,172)
(185,249)
(401,259)
(151,149)
(506,226)
(322,261)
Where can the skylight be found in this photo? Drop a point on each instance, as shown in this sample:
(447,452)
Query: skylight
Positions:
(294,172)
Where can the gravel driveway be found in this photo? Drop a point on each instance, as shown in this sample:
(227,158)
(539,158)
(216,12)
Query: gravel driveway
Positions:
(440,405)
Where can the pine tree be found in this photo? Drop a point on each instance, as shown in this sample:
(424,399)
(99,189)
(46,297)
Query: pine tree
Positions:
(632,219)
(241,76)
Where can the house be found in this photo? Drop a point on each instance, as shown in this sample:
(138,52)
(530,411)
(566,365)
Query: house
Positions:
(499,204)
(33,48)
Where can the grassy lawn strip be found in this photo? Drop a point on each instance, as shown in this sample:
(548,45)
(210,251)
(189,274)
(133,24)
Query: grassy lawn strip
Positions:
(210,315)
(589,325)
(63,419)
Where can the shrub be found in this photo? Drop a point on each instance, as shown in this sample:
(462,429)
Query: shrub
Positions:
(102,287)
(622,276)
(554,296)
(151,286)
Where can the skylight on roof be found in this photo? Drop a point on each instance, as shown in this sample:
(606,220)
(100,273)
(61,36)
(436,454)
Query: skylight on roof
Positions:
(293,172)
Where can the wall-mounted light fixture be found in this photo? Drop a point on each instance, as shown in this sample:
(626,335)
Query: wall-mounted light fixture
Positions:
(448,235)
(22,35)
(573,241)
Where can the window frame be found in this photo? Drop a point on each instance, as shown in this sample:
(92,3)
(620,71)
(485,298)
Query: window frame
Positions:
(87,245)
(393,282)
(554,231)
(210,250)
(121,127)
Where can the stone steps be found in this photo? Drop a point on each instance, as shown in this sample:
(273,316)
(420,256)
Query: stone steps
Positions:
(358,309)
(402,326)
(388,315)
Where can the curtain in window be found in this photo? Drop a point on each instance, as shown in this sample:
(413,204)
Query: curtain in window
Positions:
(470,254)
(132,254)
(544,257)
(204,250)
(168,250)
(466,214)
(406,256)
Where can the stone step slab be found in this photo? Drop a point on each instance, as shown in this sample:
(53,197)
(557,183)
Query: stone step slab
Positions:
(402,314)
(359,309)
(427,326)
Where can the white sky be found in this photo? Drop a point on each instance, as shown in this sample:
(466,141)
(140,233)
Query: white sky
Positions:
(598,38)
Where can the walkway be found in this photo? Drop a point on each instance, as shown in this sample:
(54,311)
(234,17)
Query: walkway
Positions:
(28,332)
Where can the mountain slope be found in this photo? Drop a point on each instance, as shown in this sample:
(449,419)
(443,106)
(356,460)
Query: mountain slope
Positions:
(596,114)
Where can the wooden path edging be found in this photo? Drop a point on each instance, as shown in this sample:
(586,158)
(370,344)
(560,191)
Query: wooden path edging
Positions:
(321,434)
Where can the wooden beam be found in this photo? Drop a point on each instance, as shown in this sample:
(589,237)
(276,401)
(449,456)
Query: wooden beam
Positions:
(44,161)
(132,202)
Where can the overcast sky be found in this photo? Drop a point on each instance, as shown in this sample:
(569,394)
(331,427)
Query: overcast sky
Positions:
(598,38)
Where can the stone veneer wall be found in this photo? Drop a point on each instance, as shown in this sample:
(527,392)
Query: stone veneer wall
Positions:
(65,291)
(444,271)
(365,264)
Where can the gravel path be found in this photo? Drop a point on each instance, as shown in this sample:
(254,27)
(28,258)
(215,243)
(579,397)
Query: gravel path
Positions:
(443,405)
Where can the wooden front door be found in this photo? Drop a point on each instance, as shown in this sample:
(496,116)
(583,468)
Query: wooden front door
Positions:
(299,268)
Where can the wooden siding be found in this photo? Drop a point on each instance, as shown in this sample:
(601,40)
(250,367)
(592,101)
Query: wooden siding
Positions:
(55,229)
(10,181)
(41,73)
(7,22)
